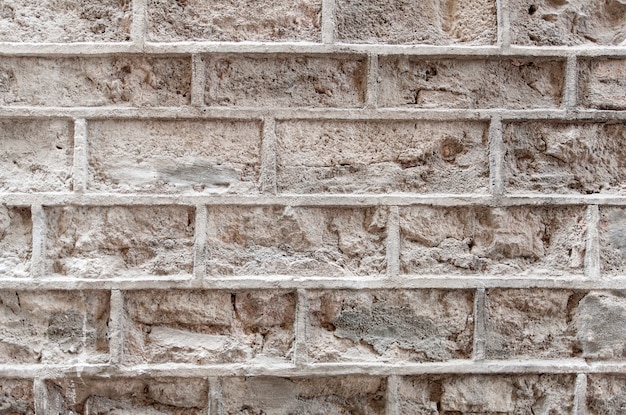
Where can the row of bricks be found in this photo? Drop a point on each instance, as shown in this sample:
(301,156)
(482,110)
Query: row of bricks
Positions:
(279,327)
(367,395)
(524,22)
(311,156)
(291,80)
(138,241)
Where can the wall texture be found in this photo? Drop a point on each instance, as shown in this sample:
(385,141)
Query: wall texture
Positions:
(313,206)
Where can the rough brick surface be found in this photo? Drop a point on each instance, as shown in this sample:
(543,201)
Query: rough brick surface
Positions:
(375,157)
(16,396)
(123,80)
(175,156)
(15,241)
(65,21)
(518,240)
(551,23)
(427,22)
(420,325)
(601,325)
(165,396)
(231,20)
(285,81)
(208,326)
(54,327)
(606,394)
(613,241)
(281,396)
(296,240)
(602,84)
(565,157)
(104,242)
(473,83)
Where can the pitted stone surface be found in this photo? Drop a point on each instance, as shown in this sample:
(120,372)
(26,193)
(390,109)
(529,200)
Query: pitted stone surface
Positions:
(54,327)
(105,242)
(410,325)
(202,327)
(606,394)
(612,229)
(175,156)
(601,325)
(322,242)
(382,156)
(16,234)
(283,396)
(602,83)
(16,396)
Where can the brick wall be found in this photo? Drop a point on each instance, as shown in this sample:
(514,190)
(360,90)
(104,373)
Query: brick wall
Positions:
(315,206)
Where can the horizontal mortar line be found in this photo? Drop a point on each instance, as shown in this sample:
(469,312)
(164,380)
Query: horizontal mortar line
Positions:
(305,47)
(293,282)
(454,367)
(329,200)
(304,113)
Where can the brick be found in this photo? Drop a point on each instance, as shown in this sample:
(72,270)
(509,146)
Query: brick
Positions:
(283,396)
(167,396)
(285,81)
(470,83)
(67,327)
(67,21)
(105,242)
(602,84)
(16,230)
(16,396)
(601,325)
(35,155)
(473,240)
(382,156)
(531,324)
(202,327)
(565,157)
(606,394)
(325,242)
(390,325)
(557,23)
(95,81)
(230,20)
(427,22)
(612,229)
(484,394)
(175,156)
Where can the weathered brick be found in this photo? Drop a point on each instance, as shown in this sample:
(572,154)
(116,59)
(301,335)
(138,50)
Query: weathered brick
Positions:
(35,155)
(283,396)
(66,21)
(606,394)
(565,157)
(532,324)
(16,230)
(468,240)
(95,81)
(326,242)
(601,325)
(166,396)
(612,229)
(602,83)
(230,20)
(381,156)
(16,396)
(390,325)
(285,81)
(174,156)
(484,394)
(104,242)
(53,327)
(470,83)
(204,327)
(553,23)
(426,21)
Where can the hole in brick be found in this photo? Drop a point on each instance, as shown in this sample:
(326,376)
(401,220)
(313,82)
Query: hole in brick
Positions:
(532,9)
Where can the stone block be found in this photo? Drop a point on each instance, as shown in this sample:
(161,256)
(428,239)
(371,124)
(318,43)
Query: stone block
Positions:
(16,396)
(382,156)
(612,230)
(119,241)
(16,236)
(160,156)
(606,394)
(602,83)
(203,327)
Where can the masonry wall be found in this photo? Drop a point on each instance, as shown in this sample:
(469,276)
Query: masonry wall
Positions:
(315,206)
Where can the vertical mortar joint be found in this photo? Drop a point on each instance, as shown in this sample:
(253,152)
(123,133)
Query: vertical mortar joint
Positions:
(496,157)
(480,324)
(328,21)
(268,157)
(592,242)
(393,242)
